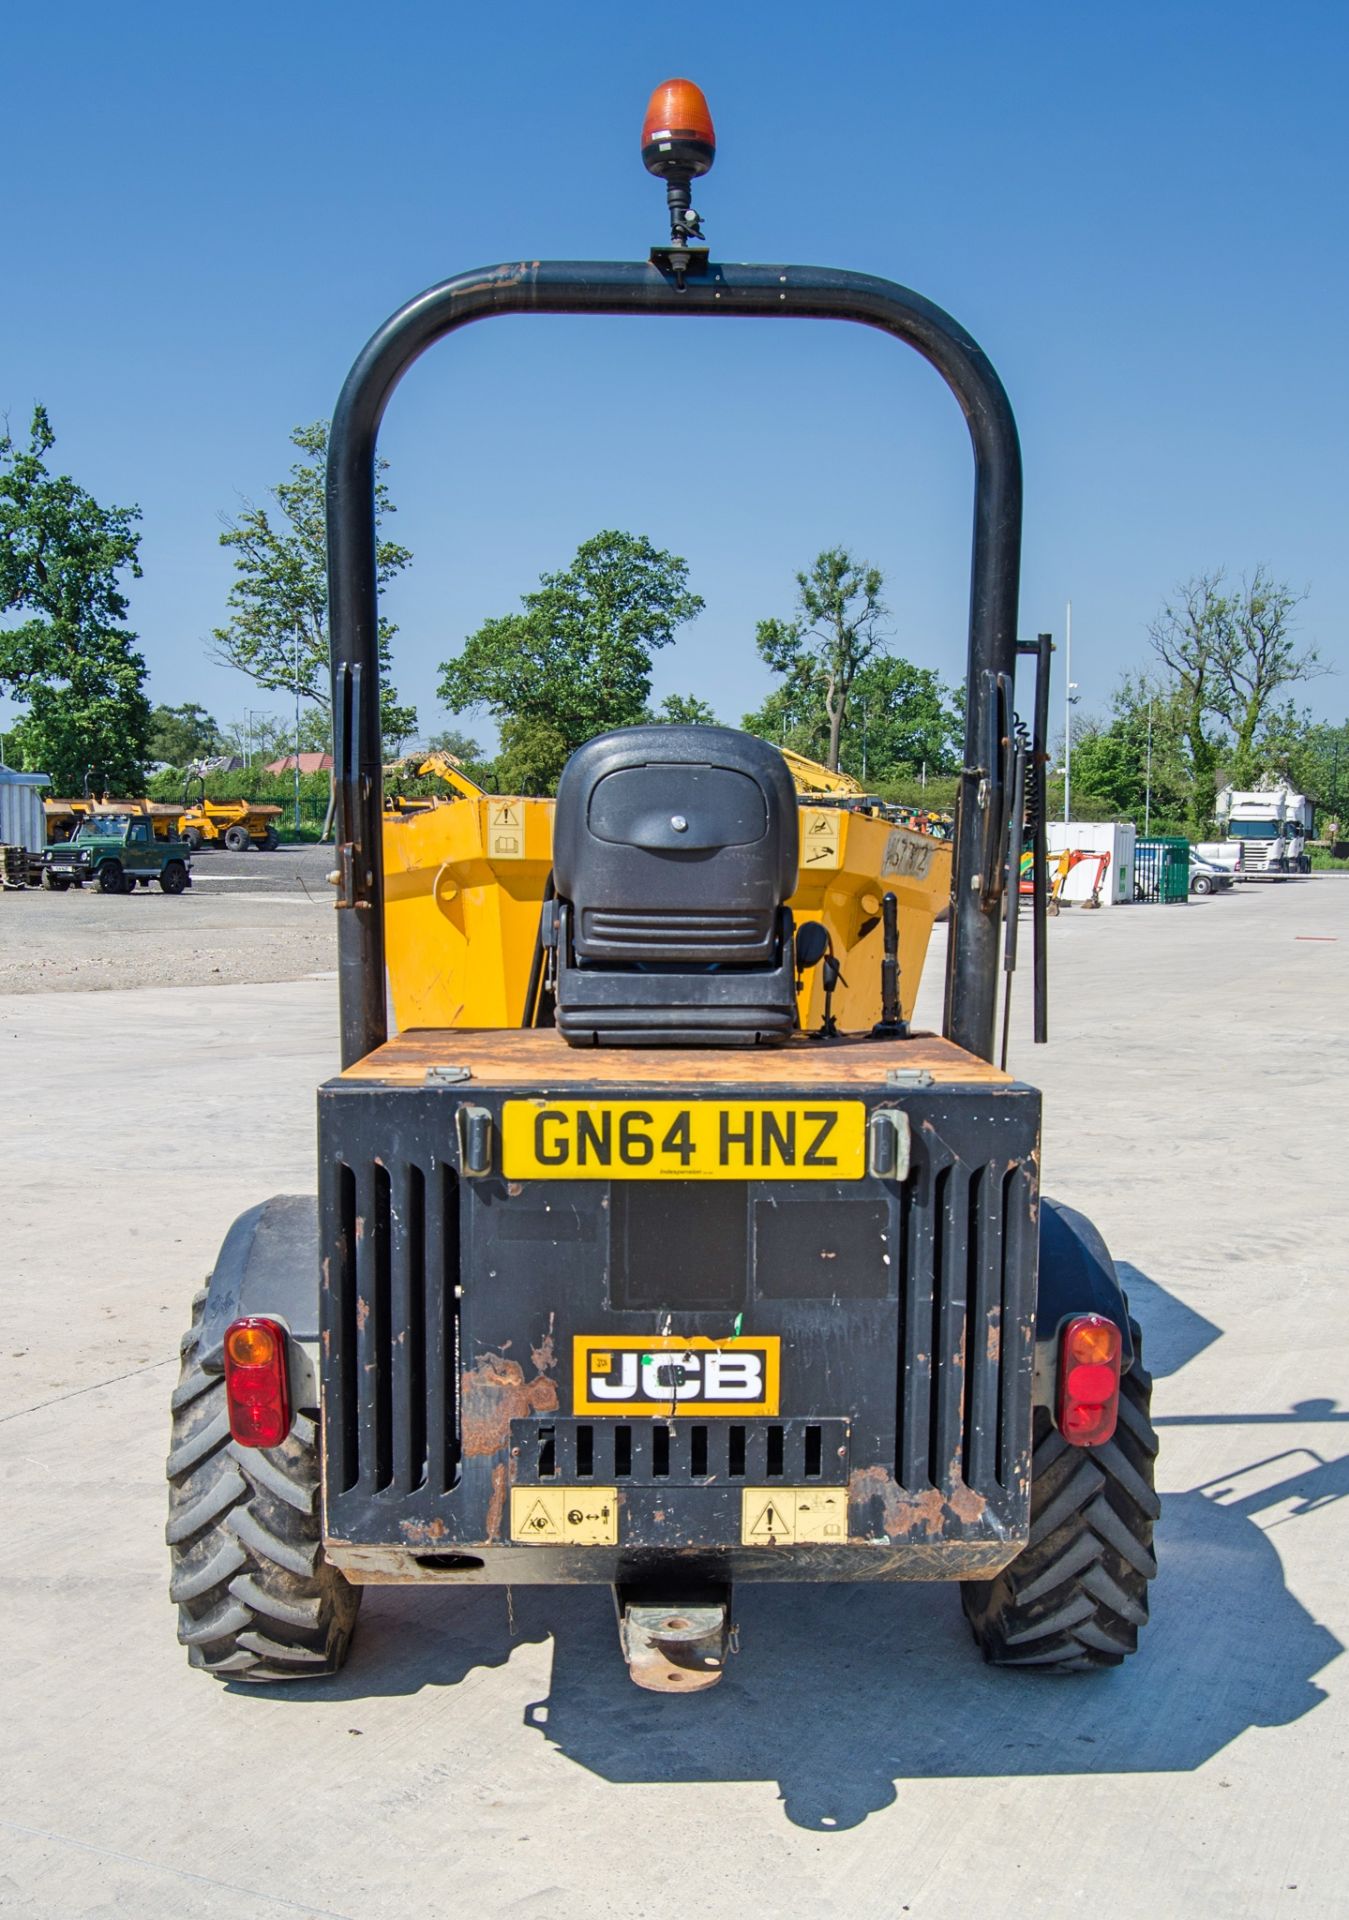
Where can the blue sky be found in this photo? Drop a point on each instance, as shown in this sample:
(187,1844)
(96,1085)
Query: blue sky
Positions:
(1140,213)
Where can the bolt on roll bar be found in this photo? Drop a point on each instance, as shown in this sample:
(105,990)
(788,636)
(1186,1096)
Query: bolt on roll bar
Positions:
(702,289)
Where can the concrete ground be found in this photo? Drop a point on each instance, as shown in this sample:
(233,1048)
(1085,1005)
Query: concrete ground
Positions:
(247,917)
(486,1753)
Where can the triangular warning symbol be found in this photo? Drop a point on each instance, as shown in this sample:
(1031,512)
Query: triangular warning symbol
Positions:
(540,1523)
(771,1523)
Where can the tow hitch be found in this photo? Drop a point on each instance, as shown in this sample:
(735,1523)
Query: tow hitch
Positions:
(674,1645)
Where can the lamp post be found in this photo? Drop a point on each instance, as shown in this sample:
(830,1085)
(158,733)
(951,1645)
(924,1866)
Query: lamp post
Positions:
(250,715)
(1069,702)
(1147,795)
(297,729)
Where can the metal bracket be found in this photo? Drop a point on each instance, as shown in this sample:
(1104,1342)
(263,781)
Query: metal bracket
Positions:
(475,1140)
(447,1076)
(674,1648)
(889,1144)
(908,1077)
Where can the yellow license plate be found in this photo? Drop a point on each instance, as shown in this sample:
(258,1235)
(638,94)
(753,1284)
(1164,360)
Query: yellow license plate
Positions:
(683,1140)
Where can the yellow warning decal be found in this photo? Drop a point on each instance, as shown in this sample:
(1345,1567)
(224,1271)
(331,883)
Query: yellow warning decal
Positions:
(564,1516)
(819,838)
(793,1516)
(505,830)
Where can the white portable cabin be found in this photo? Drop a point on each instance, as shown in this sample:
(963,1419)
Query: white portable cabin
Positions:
(1118,838)
(22,820)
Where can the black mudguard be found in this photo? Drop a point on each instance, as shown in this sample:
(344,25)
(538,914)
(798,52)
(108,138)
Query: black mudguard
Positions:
(269,1264)
(1077,1275)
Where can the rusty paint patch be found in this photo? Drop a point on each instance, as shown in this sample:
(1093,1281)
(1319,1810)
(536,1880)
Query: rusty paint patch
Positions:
(993,1345)
(362,1314)
(360,1227)
(907,1516)
(966,1504)
(544,1356)
(495,1392)
(422,1533)
(496,1506)
(325,1267)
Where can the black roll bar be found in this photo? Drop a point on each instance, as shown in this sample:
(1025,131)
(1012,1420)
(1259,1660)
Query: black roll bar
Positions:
(611,287)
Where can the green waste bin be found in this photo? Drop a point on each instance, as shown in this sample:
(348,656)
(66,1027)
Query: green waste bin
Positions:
(1162,870)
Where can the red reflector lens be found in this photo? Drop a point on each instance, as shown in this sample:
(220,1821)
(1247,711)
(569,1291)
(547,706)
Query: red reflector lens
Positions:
(257,1383)
(1089,1365)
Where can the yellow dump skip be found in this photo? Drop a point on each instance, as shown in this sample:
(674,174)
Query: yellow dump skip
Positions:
(464,882)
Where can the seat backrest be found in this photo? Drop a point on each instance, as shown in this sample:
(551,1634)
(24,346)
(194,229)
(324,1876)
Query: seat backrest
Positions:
(675,845)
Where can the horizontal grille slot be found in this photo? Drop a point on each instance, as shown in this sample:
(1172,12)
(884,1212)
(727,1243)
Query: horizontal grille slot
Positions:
(680,1452)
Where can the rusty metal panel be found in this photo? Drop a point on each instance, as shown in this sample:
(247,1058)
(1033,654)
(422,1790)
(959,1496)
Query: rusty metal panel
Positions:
(903,1313)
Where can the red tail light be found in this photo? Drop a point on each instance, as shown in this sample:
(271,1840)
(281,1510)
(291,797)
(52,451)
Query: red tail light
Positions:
(1089,1363)
(257,1384)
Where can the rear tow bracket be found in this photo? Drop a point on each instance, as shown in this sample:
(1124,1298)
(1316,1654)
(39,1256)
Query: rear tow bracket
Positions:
(674,1645)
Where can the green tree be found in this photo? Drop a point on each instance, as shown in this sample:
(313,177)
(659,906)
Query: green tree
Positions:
(576,660)
(900,718)
(1259,659)
(70,661)
(277,632)
(1192,635)
(460,746)
(1135,766)
(685,709)
(837,629)
(182,734)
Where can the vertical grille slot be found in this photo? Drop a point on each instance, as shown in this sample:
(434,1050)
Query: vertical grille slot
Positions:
(347,1449)
(408,1347)
(441,1230)
(915,1370)
(1017,1360)
(585,1451)
(983,1330)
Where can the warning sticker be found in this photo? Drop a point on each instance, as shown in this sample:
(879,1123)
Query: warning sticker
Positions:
(565,1516)
(505,830)
(819,837)
(793,1516)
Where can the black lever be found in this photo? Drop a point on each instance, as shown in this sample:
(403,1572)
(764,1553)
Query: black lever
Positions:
(1037,819)
(831,973)
(892,1025)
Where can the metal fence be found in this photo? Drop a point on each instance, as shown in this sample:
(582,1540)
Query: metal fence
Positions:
(1162,871)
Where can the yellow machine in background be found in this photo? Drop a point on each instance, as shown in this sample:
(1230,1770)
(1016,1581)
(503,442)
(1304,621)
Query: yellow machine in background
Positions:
(465,878)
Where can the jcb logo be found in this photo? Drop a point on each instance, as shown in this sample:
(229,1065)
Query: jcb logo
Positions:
(629,1375)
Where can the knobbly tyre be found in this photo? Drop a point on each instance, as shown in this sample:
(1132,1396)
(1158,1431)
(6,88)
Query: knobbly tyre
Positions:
(658,1289)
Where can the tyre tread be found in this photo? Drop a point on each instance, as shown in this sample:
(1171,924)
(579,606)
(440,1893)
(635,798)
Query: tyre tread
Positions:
(257,1600)
(1076,1597)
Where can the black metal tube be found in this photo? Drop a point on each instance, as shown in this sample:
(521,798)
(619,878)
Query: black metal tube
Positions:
(623,288)
(1044,647)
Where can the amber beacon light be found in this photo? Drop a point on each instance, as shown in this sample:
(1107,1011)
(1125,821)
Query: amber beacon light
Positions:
(678,146)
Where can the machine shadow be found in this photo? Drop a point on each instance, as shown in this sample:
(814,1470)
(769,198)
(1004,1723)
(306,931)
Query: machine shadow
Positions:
(843,1693)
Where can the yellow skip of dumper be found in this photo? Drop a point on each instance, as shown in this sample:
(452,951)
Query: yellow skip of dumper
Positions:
(465,876)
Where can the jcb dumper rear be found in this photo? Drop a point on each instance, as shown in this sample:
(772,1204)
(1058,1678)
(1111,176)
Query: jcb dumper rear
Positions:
(669,1289)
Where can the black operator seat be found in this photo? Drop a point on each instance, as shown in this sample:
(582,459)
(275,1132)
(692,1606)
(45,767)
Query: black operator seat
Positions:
(674,854)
